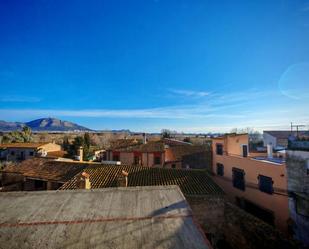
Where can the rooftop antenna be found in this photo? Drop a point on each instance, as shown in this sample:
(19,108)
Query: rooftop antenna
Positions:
(297,126)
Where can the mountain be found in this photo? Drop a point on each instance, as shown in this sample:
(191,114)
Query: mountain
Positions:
(43,124)
(10,126)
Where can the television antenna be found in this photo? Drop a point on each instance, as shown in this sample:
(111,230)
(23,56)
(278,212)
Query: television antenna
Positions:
(297,127)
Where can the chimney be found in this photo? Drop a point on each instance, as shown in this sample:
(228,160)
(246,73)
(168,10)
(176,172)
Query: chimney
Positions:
(80,154)
(269,151)
(123,179)
(144,138)
(83,181)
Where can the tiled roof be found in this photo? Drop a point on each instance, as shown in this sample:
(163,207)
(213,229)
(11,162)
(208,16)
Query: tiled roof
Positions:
(22,145)
(285,134)
(45,169)
(172,142)
(176,153)
(56,154)
(157,146)
(191,182)
(124,143)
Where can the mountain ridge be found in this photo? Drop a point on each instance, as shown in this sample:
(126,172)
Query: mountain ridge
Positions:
(43,124)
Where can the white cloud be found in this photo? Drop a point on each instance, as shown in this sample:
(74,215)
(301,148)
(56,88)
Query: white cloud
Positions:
(172,112)
(17,98)
(190,93)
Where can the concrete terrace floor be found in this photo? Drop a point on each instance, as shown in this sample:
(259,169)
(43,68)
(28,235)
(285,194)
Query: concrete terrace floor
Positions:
(133,217)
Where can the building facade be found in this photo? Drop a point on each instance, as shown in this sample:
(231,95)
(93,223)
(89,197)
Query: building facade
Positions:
(298,187)
(253,181)
(24,151)
(150,154)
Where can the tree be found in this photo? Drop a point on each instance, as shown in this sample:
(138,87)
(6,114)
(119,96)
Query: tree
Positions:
(187,139)
(165,133)
(87,143)
(87,140)
(26,134)
(66,144)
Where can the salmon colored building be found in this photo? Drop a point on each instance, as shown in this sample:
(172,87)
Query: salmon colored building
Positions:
(256,182)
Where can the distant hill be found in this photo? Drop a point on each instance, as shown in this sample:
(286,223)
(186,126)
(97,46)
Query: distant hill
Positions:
(43,124)
(10,126)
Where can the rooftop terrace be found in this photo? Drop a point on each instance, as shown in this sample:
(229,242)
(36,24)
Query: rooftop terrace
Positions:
(139,217)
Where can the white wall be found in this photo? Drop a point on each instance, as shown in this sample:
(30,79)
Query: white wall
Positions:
(268,139)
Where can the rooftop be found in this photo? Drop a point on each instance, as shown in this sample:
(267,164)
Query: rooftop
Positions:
(152,146)
(124,143)
(274,160)
(56,154)
(230,135)
(191,182)
(176,153)
(285,134)
(171,141)
(45,169)
(22,145)
(102,218)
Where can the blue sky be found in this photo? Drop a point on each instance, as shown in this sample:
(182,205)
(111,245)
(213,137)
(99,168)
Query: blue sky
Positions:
(192,66)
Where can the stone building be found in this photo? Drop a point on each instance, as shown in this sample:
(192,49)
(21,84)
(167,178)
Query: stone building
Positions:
(298,187)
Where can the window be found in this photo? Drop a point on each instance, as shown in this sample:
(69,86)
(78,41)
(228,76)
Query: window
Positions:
(157,160)
(40,185)
(220,169)
(266,184)
(116,156)
(219,149)
(31,153)
(239,178)
(173,166)
(244,150)
(137,160)
(12,153)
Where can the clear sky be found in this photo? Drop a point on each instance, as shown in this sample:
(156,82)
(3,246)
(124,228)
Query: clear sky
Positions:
(186,65)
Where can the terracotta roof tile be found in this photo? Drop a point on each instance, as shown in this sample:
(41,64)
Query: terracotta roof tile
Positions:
(56,154)
(176,153)
(157,146)
(46,169)
(191,182)
(124,143)
(22,145)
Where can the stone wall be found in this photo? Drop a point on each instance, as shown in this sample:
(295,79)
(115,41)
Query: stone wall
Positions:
(200,160)
(298,179)
(298,187)
(227,226)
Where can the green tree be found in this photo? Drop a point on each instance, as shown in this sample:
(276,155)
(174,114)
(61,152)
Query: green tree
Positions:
(26,134)
(87,144)
(165,133)
(66,144)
